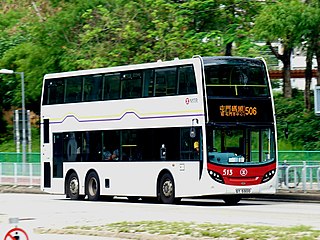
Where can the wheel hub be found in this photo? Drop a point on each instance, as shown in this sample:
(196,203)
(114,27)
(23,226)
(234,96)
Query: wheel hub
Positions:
(92,186)
(167,188)
(74,186)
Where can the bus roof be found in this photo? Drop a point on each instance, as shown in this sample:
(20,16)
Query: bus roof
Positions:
(159,63)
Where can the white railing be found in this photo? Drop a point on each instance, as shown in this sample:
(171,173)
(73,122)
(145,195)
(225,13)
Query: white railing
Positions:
(299,177)
(20,173)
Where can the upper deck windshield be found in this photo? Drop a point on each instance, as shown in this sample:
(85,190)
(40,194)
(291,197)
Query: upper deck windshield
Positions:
(235,77)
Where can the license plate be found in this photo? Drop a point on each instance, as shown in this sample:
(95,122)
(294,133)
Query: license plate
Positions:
(243,190)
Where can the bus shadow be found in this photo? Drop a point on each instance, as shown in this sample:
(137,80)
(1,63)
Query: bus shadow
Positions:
(201,202)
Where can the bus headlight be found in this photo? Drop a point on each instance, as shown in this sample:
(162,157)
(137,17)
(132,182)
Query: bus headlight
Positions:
(268,176)
(216,176)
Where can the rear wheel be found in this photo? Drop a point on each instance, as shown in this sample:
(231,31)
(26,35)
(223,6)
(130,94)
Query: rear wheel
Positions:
(93,186)
(166,192)
(72,188)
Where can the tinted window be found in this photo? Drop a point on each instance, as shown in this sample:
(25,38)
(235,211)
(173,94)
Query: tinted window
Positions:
(73,89)
(111,86)
(187,81)
(131,85)
(165,81)
(148,83)
(54,91)
(125,145)
(92,88)
(238,80)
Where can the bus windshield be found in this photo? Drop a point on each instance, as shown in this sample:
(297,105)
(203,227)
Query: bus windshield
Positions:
(227,77)
(236,146)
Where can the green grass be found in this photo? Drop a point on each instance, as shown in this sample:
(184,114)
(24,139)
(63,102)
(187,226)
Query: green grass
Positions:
(181,230)
(9,145)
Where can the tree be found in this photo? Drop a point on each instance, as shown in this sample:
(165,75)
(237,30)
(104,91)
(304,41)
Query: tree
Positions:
(225,22)
(281,20)
(311,30)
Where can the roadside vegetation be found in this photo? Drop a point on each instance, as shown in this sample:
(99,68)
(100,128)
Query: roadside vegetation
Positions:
(189,230)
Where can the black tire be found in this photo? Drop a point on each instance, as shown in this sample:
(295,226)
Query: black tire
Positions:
(166,191)
(93,186)
(231,200)
(72,187)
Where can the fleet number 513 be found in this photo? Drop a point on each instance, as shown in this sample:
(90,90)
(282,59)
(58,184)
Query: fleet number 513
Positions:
(227,172)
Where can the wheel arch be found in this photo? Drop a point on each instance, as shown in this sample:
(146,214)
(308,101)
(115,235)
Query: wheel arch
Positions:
(161,173)
(70,171)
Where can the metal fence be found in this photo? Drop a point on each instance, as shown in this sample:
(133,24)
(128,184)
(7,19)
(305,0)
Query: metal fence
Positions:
(20,174)
(17,157)
(293,157)
(299,177)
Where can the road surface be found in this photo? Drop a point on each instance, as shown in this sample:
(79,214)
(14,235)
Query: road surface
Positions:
(56,212)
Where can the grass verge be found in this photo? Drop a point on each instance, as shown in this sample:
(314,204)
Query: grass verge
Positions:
(188,230)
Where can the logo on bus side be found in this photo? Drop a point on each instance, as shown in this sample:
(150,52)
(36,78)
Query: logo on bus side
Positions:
(191,100)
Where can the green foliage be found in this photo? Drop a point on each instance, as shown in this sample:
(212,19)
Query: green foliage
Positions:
(281,20)
(304,126)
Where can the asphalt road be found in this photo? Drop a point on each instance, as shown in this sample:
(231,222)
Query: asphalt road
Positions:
(55,212)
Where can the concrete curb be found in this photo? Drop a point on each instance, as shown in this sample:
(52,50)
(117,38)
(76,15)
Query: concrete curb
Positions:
(20,189)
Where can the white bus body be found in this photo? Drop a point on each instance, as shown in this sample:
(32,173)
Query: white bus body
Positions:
(72,130)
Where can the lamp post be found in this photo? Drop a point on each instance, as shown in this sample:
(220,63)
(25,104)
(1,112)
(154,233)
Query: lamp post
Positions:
(6,71)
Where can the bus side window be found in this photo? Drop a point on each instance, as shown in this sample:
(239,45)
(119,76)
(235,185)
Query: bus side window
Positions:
(73,89)
(92,88)
(148,83)
(165,81)
(111,86)
(54,92)
(131,84)
(187,81)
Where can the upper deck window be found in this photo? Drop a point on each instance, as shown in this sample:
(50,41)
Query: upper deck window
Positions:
(236,79)
(92,86)
(152,82)
(131,84)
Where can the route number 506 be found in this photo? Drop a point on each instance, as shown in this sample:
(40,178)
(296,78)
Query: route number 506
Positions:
(227,172)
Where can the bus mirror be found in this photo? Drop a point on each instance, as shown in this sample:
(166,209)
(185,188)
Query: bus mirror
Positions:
(192,132)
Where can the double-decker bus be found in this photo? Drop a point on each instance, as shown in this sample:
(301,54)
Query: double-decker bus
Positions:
(170,129)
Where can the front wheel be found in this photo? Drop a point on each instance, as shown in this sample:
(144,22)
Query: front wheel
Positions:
(93,186)
(166,192)
(72,189)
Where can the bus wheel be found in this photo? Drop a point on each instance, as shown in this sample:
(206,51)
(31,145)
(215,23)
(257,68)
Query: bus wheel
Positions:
(73,187)
(93,186)
(231,200)
(166,189)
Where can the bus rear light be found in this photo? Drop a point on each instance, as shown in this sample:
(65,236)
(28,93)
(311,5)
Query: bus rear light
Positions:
(268,176)
(216,176)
